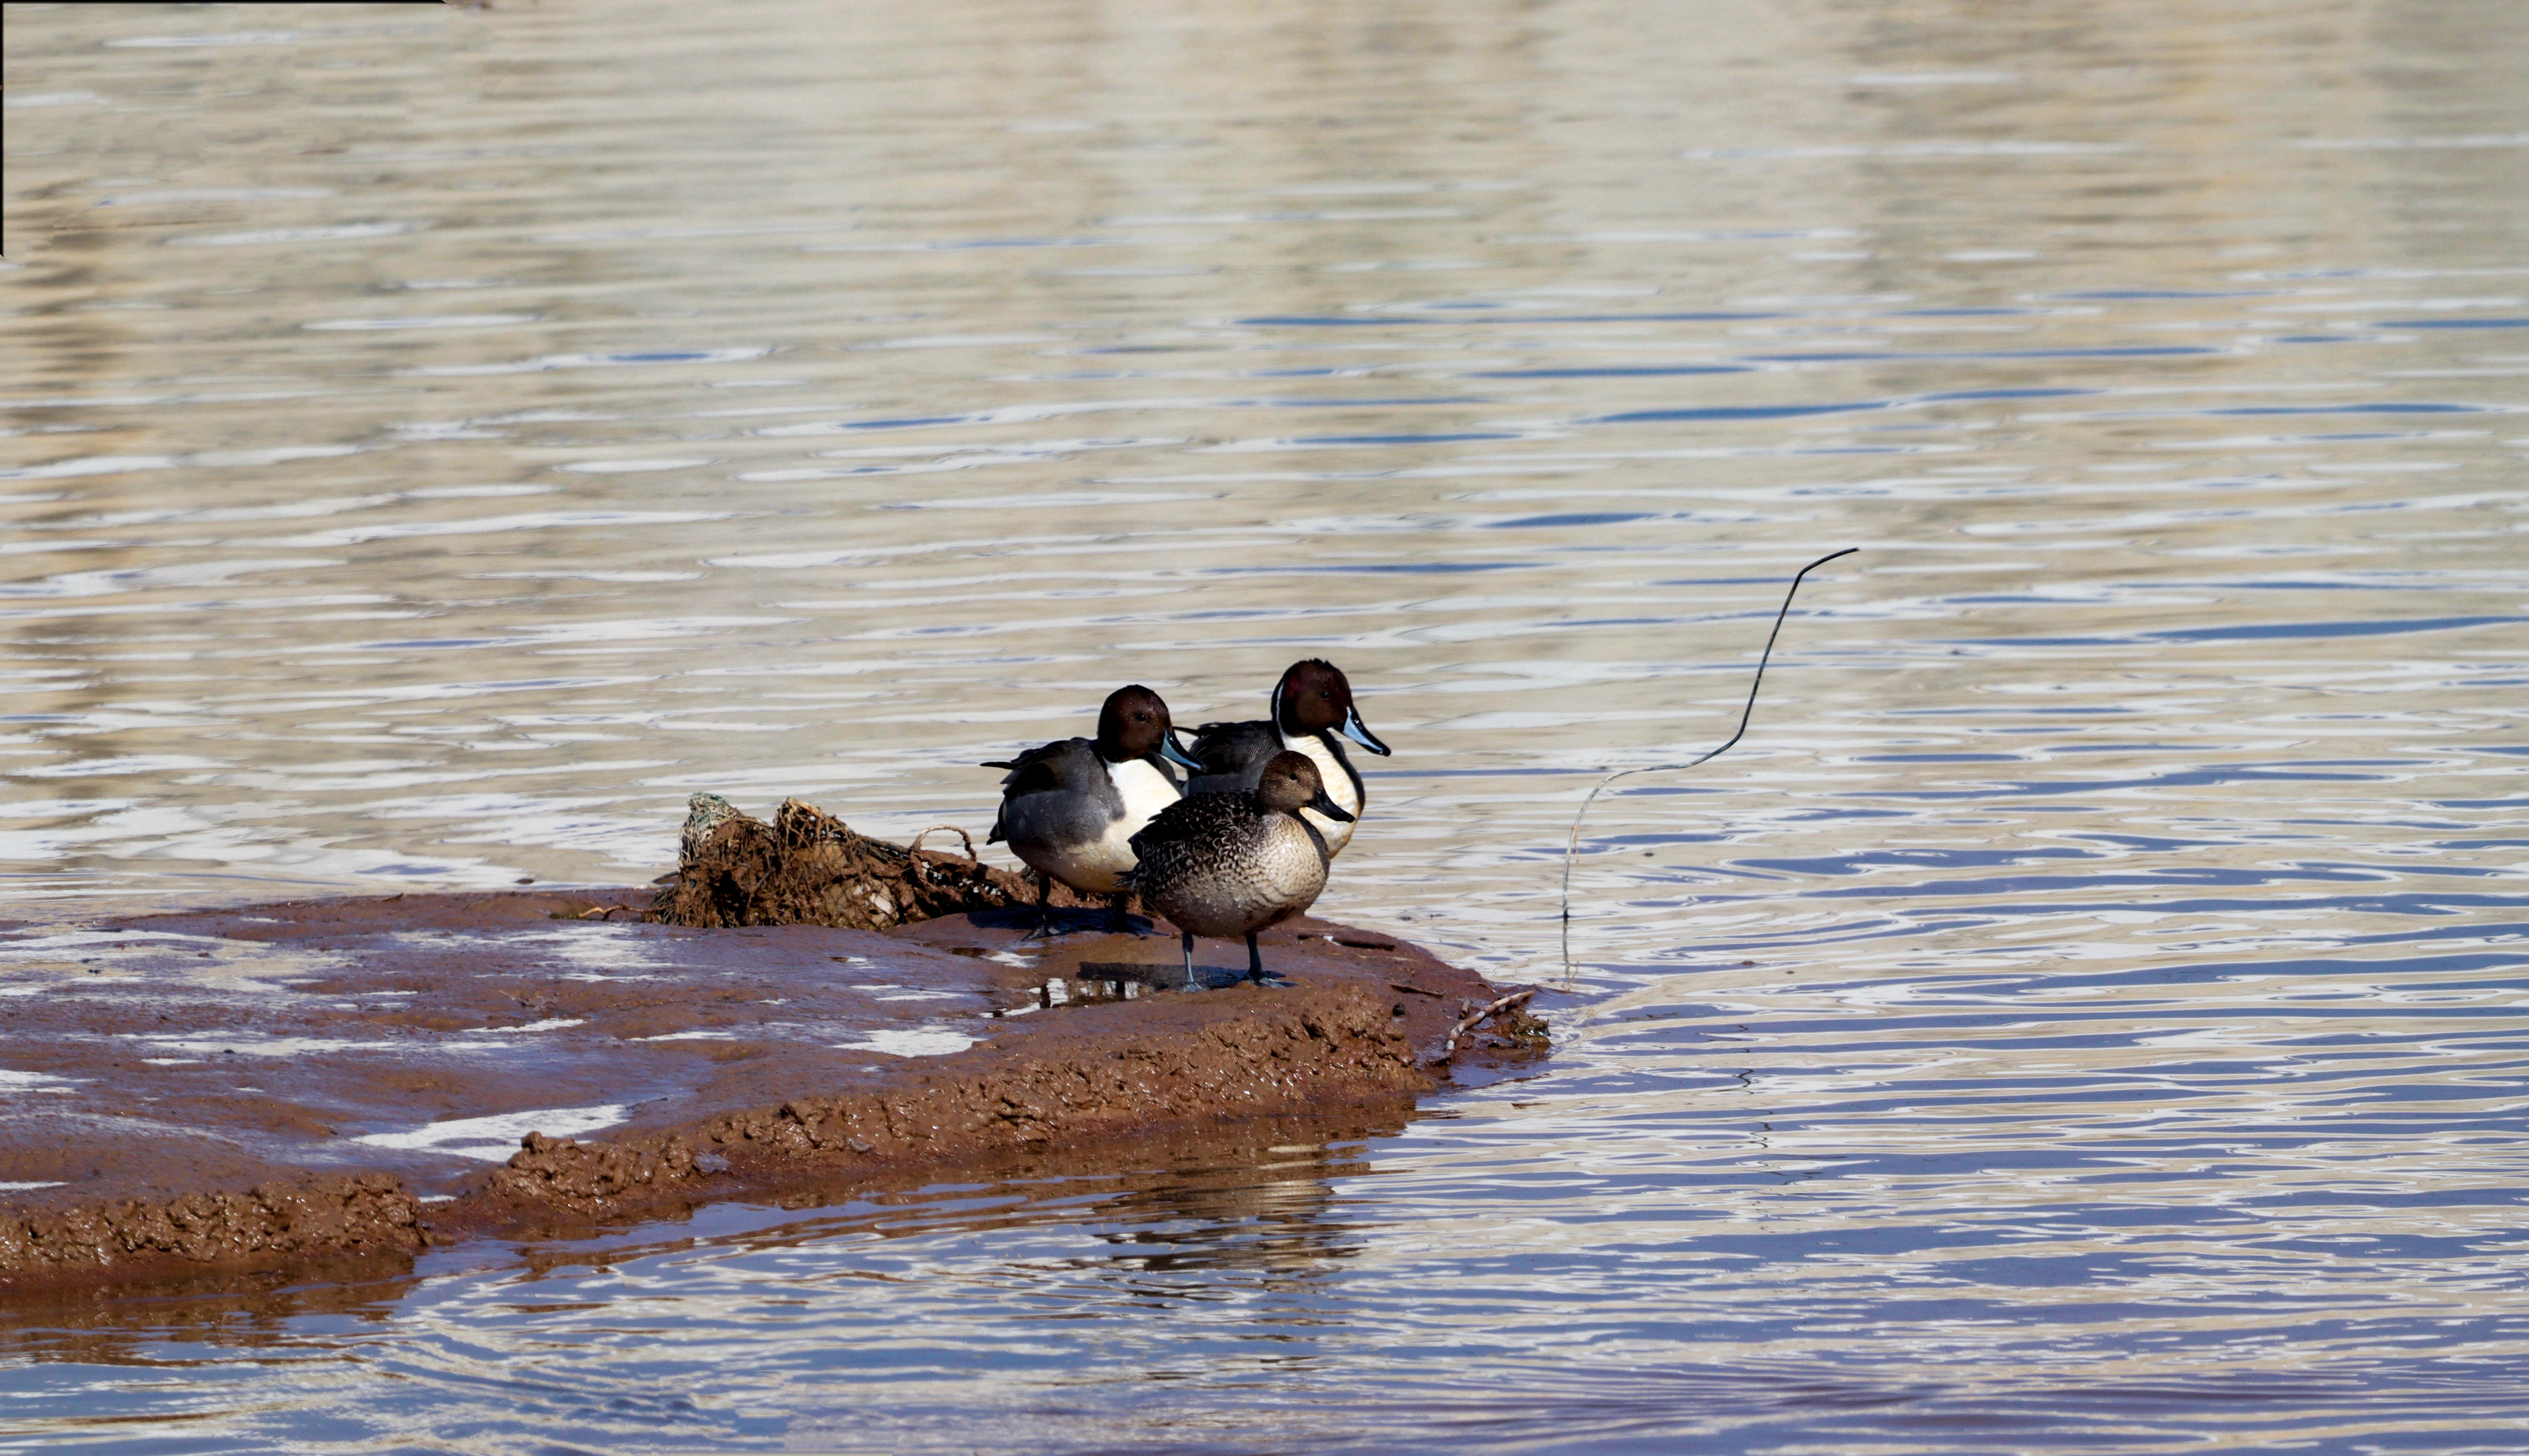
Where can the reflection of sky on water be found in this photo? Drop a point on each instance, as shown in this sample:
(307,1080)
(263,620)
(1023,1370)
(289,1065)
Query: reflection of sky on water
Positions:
(493,1139)
(2084,1013)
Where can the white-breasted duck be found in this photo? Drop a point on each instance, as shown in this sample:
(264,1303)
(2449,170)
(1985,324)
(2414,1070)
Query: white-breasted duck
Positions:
(1230,864)
(1312,704)
(1070,808)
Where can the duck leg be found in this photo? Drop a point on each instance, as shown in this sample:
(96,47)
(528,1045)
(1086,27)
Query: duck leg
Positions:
(1044,909)
(1255,960)
(1123,923)
(1191,981)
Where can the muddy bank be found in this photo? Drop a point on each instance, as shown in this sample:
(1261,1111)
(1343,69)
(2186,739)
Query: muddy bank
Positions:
(262,1087)
(1208,1171)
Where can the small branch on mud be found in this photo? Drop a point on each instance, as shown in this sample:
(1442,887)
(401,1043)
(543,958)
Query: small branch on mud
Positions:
(1478,1017)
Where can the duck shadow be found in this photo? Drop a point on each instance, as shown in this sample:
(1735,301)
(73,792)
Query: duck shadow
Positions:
(1062,921)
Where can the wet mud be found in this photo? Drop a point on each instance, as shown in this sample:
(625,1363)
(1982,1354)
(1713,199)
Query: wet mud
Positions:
(275,1087)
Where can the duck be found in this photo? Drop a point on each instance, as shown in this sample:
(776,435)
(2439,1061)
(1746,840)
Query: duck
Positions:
(1312,703)
(1070,808)
(1230,864)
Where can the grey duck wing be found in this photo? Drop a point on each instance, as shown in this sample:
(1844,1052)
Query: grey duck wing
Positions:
(1233,755)
(1034,765)
(1046,768)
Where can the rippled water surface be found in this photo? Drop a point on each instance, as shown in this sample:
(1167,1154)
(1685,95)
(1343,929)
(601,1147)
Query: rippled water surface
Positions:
(2087,1013)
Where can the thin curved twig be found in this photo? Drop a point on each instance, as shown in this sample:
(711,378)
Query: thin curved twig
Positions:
(950,828)
(1479,1017)
(1572,844)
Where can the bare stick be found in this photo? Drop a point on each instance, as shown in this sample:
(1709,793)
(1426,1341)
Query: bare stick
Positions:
(1572,845)
(1478,1017)
(936,828)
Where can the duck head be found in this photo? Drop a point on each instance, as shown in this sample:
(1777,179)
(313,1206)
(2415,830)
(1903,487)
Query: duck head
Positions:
(1291,783)
(1315,696)
(1134,723)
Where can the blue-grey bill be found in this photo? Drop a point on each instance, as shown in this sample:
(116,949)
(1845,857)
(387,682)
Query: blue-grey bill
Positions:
(1359,731)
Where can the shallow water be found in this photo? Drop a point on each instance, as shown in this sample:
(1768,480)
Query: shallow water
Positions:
(2085,1014)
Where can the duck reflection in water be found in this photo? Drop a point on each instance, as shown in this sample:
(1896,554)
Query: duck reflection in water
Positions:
(1264,1204)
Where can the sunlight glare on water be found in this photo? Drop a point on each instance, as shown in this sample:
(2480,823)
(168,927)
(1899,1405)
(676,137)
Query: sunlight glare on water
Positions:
(2085,1014)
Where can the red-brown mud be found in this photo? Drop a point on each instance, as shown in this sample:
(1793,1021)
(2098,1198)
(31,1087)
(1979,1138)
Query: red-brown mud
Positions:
(281,1085)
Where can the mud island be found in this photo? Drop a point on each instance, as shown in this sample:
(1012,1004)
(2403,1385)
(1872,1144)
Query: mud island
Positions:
(797,1007)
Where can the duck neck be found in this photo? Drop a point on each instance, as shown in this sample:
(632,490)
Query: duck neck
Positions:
(1328,749)
(1302,820)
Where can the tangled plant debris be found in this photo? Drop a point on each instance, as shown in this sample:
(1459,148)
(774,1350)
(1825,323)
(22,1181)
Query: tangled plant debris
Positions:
(809,868)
